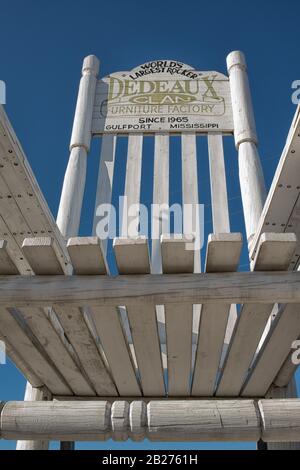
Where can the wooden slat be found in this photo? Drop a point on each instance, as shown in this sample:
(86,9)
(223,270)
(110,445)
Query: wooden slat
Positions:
(132,255)
(274,253)
(86,255)
(190,190)
(22,192)
(219,202)
(176,258)
(214,318)
(18,359)
(58,349)
(7,264)
(280,212)
(15,332)
(190,200)
(105,178)
(24,347)
(132,184)
(142,318)
(106,319)
(43,256)
(219,207)
(160,195)
(72,319)
(284,330)
(287,371)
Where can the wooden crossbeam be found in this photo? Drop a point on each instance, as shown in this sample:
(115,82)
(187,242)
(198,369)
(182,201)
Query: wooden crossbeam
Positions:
(241,287)
(159,420)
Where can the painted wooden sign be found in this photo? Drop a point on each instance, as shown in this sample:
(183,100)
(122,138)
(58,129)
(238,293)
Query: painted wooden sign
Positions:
(162,95)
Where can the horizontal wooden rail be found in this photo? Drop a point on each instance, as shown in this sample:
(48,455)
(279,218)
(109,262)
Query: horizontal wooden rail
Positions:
(174,420)
(241,287)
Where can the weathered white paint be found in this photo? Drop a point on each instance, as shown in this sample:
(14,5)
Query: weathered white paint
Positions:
(132,256)
(159,420)
(280,213)
(160,195)
(73,320)
(105,182)
(284,330)
(132,185)
(176,258)
(207,100)
(87,258)
(273,254)
(68,217)
(214,317)
(23,211)
(34,394)
(240,287)
(43,256)
(218,185)
(86,254)
(250,171)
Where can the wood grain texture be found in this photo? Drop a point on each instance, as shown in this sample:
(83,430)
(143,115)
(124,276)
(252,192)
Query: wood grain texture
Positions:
(280,213)
(226,250)
(285,329)
(74,321)
(113,340)
(22,197)
(218,186)
(130,222)
(86,254)
(280,420)
(104,182)
(132,255)
(177,258)
(203,420)
(56,420)
(241,287)
(159,420)
(274,253)
(250,171)
(43,256)
(34,394)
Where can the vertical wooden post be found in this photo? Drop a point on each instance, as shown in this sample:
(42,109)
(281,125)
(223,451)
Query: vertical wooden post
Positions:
(68,218)
(250,171)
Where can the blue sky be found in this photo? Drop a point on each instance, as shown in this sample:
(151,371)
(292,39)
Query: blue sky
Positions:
(43,44)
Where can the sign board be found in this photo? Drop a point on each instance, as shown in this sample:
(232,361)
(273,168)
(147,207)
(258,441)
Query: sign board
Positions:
(162,96)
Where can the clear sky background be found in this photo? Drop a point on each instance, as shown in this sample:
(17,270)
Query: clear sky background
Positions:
(43,43)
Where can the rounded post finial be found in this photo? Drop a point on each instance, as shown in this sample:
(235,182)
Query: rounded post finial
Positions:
(236,58)
(91,64)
